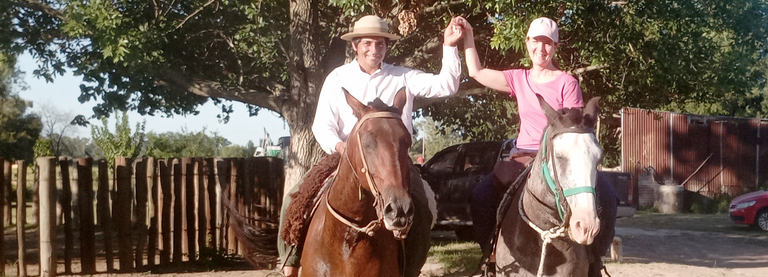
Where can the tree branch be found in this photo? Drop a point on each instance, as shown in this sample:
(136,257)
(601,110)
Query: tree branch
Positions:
(419,103)
(263,98)
(579,71)
(193,14)
(421,54)
(38,6)
(439,6)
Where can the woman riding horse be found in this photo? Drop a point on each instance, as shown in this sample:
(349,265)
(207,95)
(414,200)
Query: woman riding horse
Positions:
(560,90)
(550,220)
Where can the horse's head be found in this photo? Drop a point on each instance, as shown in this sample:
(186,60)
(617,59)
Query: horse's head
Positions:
(378,149)
(572,154)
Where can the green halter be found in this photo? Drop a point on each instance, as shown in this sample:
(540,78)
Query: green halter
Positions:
(551,182)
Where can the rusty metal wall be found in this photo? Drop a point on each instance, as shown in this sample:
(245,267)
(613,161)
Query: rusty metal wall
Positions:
(710,155)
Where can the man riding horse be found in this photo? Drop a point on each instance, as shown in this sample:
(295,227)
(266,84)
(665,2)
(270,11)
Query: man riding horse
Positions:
(367,78)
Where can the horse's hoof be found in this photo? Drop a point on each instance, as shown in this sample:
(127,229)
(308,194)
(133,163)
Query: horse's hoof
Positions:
(275,274)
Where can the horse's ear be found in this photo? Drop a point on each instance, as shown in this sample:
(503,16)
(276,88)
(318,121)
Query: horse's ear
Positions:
(357,107)
(548,110)
(591,112)
(400,98)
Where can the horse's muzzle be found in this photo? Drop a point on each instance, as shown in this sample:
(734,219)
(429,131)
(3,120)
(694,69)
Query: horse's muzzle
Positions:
(398,217)
(584,231)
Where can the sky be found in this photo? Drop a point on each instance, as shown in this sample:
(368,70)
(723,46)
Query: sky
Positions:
(62,94)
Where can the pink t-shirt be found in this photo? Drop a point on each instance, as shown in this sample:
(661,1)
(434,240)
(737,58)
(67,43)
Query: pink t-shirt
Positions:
(562,92)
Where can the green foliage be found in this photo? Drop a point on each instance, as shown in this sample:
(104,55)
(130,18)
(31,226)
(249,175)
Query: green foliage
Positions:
(18,129)
(488,116)
(718,204)
(185,144)
(237,151)
(437,136)
(121,142)
(686,56)
(43,147)
(169,57)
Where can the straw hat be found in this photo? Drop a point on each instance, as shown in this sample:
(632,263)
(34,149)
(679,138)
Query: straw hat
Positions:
(370,26)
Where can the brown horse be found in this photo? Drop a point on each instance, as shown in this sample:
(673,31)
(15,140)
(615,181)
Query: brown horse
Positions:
(370,189)
(548,223)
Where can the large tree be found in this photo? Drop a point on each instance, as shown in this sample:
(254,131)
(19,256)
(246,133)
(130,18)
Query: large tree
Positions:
(166,57)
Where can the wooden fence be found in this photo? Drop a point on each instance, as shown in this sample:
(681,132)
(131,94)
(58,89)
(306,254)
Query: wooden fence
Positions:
(155,211)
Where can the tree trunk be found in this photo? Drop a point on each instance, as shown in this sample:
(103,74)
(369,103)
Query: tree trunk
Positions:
(306,80)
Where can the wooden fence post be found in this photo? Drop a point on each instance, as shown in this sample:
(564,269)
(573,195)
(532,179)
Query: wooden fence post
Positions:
(234,186)
(164,199)
(152,210)
(85,205)
(121,212)
(47,190)
(8,177)
(220,167)
(188,222)
(140,212)
(102,210)
(210,209)
(66,211)
(21,214)
(3,202)
(201,204)
(177,212)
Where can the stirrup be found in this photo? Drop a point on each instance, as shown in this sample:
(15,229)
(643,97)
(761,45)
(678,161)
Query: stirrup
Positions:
(487,269)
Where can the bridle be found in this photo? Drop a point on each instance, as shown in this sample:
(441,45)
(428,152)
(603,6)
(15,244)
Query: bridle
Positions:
(378,204)
(554,185)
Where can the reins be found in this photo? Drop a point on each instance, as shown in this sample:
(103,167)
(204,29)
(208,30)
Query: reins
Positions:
(375,224)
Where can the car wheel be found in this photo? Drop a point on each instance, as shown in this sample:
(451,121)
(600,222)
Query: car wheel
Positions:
(761,220)
(464,233)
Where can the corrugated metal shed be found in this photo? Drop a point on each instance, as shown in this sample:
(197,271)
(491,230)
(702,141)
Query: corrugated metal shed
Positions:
(718,154)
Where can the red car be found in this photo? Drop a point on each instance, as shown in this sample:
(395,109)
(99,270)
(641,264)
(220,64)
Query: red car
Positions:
(750,208)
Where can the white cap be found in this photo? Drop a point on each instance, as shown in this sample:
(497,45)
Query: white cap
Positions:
(543,26)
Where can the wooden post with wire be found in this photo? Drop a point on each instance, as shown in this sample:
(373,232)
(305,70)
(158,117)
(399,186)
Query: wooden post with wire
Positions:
(47,222)
(21,215)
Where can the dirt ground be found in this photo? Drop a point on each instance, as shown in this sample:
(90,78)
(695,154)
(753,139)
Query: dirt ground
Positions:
(645,253)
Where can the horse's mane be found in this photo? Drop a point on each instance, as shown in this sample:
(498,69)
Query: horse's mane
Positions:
(302,200)
(572,117)
(381,106)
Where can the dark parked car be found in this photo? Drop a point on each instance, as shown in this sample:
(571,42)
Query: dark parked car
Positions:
(750,208)
(453,172)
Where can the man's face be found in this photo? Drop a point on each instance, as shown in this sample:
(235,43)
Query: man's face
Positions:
(370,51)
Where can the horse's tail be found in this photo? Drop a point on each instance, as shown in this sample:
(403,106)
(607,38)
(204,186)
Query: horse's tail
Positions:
(260,243)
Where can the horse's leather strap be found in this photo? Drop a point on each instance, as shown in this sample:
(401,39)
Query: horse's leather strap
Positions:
(368,229)
(375,224)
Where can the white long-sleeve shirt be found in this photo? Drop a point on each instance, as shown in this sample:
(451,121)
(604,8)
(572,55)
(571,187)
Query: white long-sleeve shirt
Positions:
(334,119)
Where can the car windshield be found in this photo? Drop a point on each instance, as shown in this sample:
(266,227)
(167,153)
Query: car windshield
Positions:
(443,163)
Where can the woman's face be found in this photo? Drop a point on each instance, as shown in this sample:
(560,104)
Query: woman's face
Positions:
(541,49)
